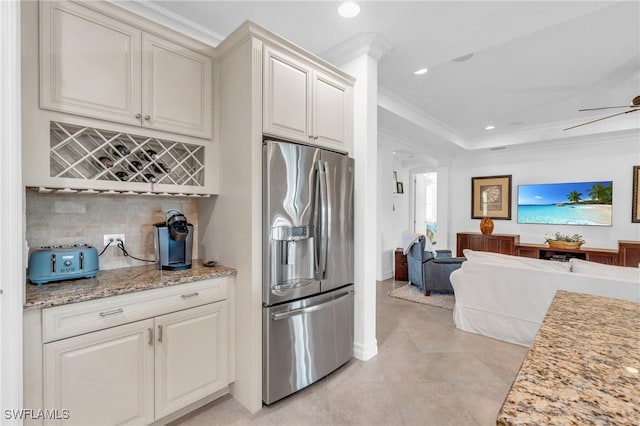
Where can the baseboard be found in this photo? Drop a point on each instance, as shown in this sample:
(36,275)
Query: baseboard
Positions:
(365,352)
(191,407)
(385,276)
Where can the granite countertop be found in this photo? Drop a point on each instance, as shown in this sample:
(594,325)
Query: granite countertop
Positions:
(583,367)
(117,281)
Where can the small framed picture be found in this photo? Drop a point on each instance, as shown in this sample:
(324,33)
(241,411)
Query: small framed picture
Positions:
(491,197)
(400,188)
(635,201)
(395,182)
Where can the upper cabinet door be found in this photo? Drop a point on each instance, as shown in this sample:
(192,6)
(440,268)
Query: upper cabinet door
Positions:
(286,97)
(332,112)
(177,88)
(302,102)
(90,63)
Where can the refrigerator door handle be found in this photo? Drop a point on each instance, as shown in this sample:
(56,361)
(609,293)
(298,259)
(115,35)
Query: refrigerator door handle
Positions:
(308,309)
(324,218)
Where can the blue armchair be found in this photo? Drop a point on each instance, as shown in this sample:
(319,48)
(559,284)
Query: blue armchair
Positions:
(430,273)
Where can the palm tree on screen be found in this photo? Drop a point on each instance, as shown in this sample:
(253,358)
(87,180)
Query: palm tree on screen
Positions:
(574,196)
(601,193)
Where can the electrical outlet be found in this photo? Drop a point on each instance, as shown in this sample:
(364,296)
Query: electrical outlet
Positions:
(112,237)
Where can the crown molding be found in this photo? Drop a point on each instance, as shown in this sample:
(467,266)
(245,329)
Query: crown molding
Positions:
(372,44)
(553,132)
(426,155)
(626,140)
(403,108)
(160,15)
(249,29)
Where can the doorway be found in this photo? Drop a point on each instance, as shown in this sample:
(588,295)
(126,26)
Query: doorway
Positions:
(425,201)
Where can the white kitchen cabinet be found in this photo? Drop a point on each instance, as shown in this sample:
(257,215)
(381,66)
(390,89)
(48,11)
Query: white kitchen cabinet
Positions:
(136,358)
(98,81)
(106,376)
(302,103)
(176,93)
(95,66)
(332,111)
(89,63)
(191,356)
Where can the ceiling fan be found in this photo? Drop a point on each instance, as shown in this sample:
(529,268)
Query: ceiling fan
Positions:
(635,106)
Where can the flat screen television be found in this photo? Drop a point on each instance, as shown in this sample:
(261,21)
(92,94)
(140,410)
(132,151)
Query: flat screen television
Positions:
(574,203)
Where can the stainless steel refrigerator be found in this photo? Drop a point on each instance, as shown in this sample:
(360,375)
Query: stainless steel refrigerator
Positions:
(307,315)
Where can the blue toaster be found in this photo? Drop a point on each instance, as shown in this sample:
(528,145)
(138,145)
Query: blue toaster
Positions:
(57,263)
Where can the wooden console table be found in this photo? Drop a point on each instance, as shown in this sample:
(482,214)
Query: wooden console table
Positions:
(628,253)
(543,251)
(496,243)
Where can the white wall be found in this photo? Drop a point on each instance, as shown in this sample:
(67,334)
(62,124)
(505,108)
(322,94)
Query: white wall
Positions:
(401,204)
(393,210)
(386,239)
(587,160)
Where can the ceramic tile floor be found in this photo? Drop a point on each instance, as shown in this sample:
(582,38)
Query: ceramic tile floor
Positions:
(426,373)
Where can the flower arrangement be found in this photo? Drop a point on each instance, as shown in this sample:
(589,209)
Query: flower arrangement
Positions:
(565,241)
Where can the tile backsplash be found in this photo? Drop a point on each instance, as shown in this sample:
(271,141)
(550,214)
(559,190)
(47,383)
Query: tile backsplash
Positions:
(85,218)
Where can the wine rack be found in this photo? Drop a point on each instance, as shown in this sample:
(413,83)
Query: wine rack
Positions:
(86,153)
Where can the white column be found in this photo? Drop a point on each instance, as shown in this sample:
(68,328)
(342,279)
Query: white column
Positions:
(11,193)
(359,57)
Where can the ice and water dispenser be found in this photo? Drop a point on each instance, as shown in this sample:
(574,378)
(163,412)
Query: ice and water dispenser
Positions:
(293,256)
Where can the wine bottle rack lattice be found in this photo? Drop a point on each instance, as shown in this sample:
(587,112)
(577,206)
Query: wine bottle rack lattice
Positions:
(87,153)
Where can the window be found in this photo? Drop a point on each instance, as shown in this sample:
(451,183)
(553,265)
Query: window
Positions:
(426,205)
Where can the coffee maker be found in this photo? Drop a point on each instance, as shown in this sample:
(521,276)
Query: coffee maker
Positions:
(173,242)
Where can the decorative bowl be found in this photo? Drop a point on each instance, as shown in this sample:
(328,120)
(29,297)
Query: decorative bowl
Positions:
(564,244)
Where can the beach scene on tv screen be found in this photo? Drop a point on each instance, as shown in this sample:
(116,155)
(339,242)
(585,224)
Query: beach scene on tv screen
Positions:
(576,203)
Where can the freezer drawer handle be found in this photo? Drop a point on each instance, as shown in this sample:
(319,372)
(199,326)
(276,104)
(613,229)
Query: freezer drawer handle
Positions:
(289,314)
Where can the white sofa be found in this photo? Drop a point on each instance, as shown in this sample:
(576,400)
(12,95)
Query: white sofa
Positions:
(507,297)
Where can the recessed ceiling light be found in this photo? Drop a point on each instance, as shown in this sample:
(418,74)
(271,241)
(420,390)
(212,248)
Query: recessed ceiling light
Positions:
(490,127)
(348,9)
(421,71)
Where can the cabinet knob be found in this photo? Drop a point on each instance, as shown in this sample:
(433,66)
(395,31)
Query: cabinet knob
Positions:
(315,137)
(147,117)
(138,116)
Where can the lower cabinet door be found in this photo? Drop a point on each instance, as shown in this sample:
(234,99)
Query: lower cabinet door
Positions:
(191,356)
(104,378)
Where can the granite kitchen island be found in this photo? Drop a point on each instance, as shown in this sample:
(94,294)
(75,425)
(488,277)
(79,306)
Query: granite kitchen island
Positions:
(583,367)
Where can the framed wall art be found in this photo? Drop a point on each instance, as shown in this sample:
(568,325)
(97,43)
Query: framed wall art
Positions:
(491,197)
(395,182)
(635,200)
